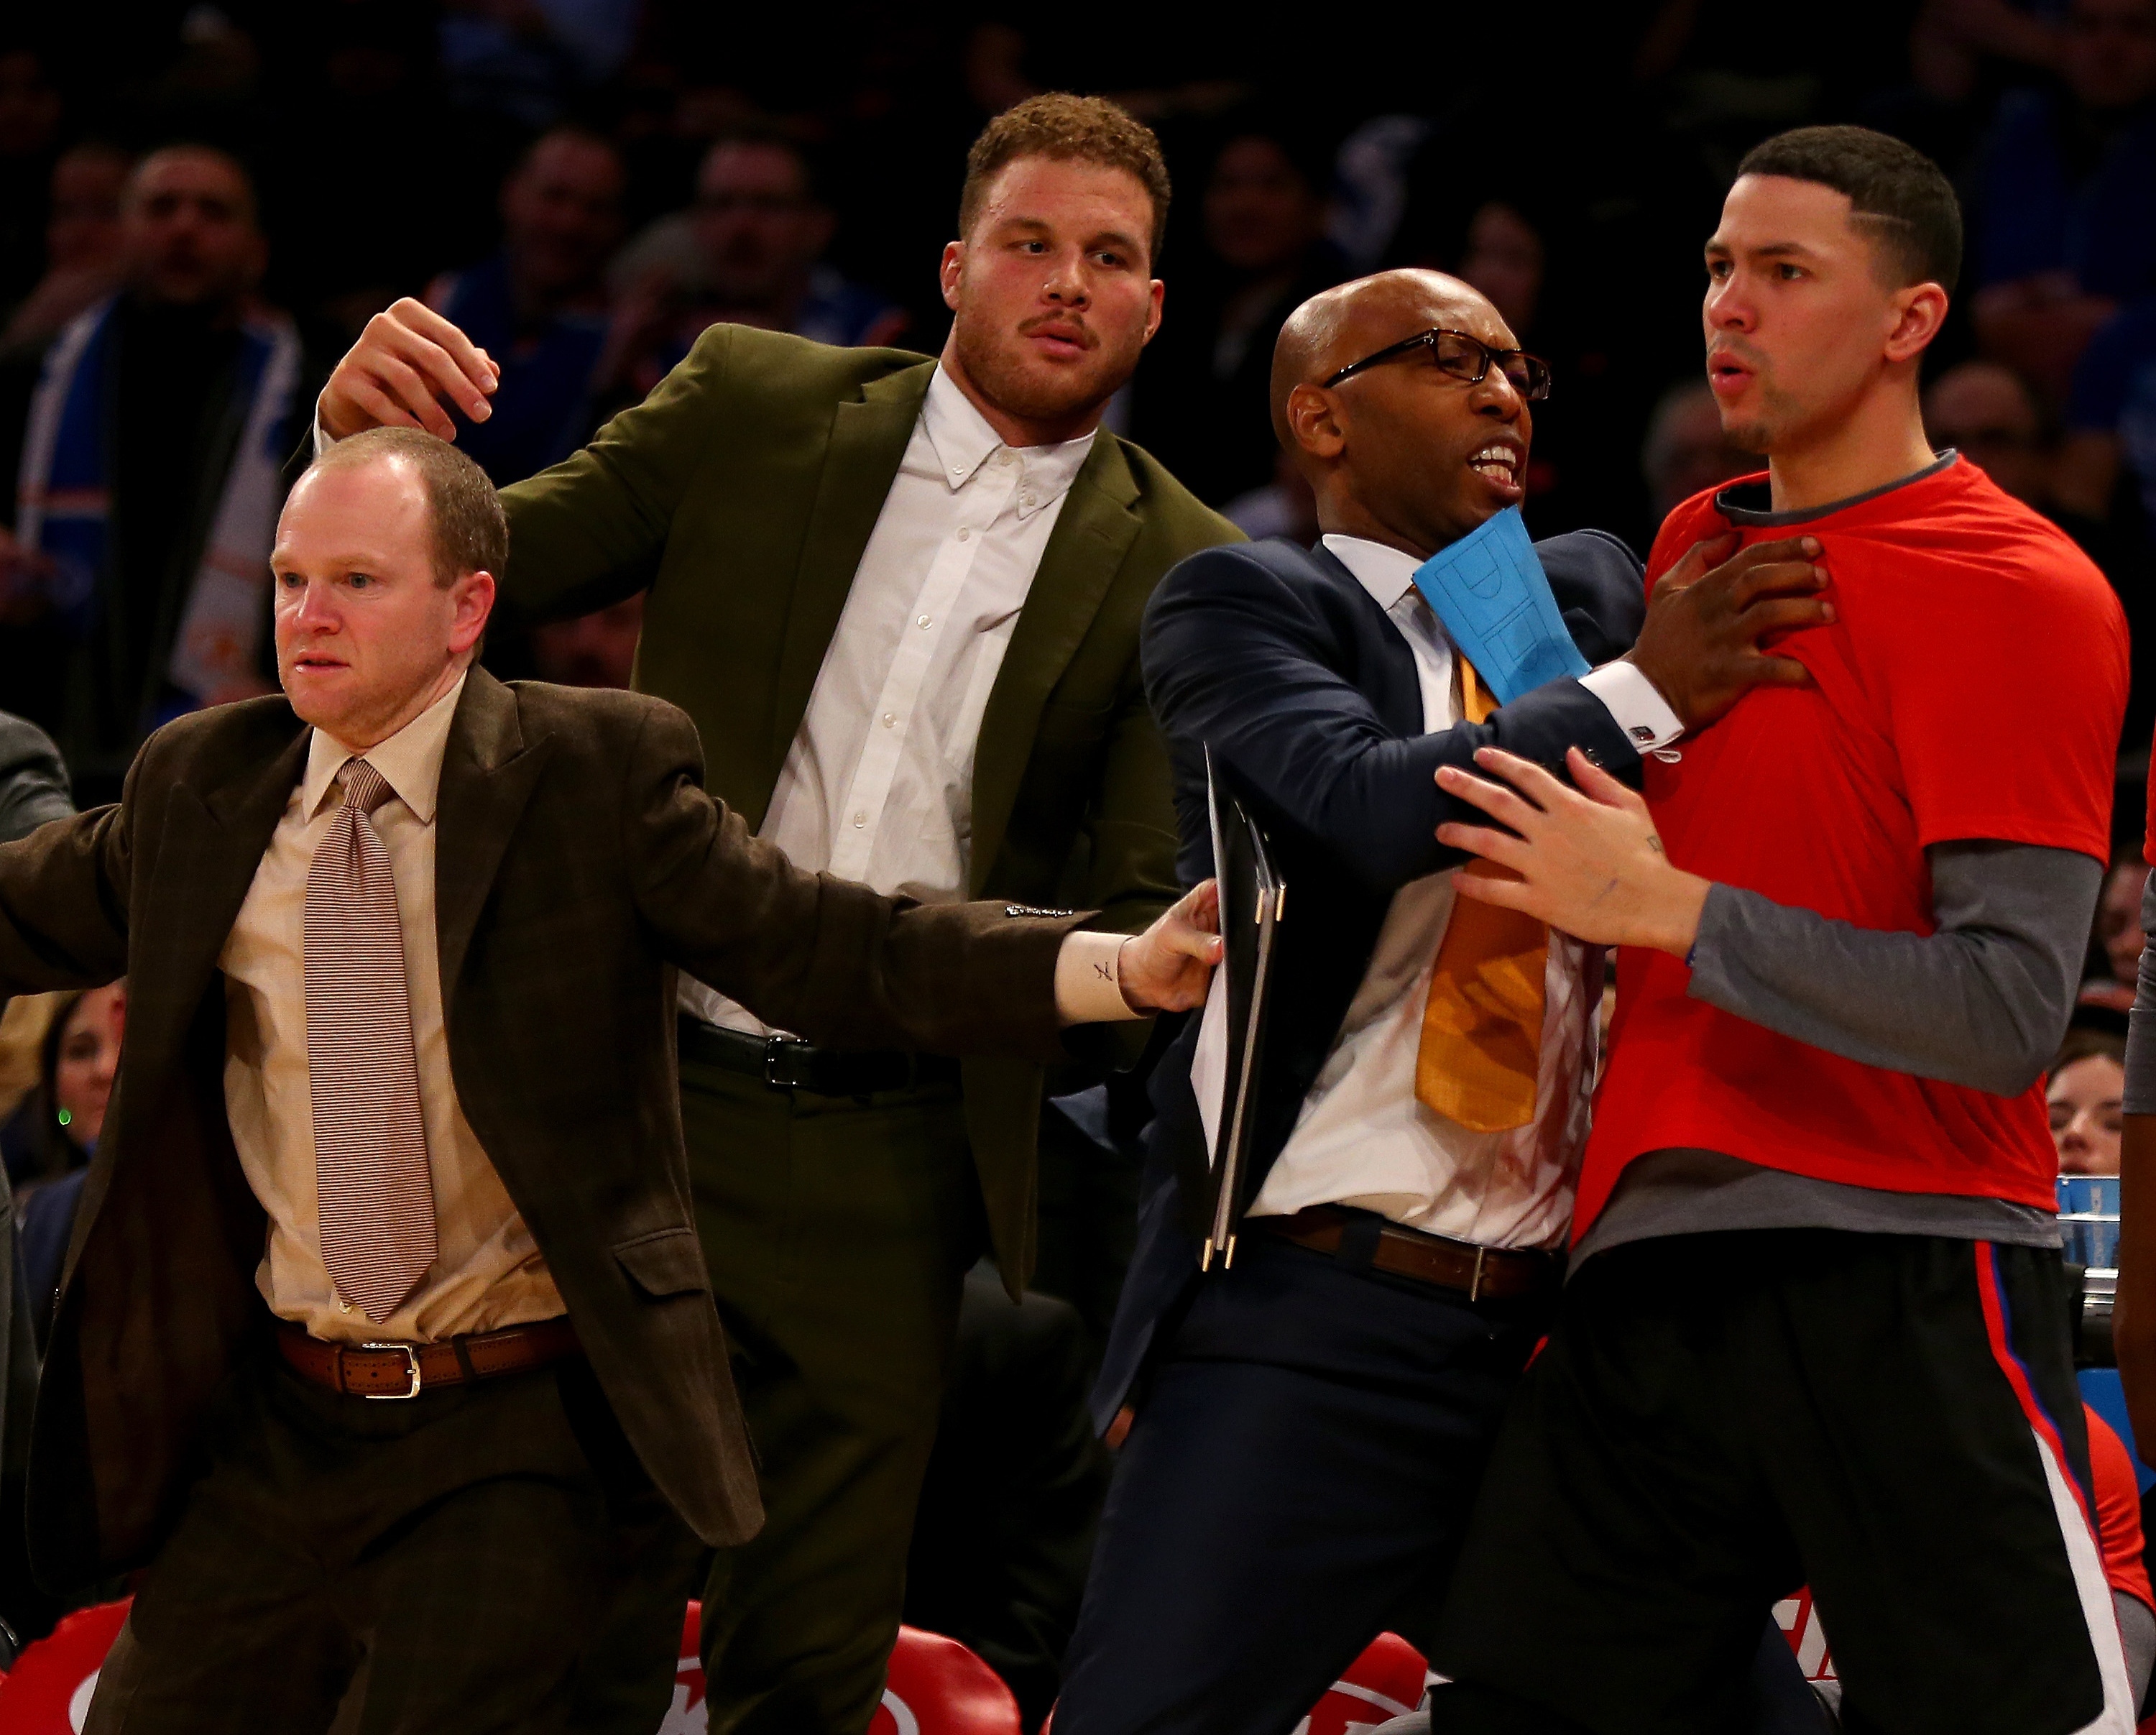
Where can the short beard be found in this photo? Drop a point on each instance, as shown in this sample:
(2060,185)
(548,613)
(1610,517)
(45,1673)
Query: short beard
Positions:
(1778,413)
(1755,437)
(992,362)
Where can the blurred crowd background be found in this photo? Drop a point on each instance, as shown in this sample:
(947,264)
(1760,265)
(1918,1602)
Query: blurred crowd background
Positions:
(585,184)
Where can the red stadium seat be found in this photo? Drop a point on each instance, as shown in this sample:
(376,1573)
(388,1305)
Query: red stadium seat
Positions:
(47,1690)
(1385,1683)
(937,1686)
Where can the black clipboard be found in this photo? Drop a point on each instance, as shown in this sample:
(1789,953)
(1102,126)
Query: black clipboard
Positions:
(1253,903)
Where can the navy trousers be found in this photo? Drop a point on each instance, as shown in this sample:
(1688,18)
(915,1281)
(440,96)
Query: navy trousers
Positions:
(1296,1482)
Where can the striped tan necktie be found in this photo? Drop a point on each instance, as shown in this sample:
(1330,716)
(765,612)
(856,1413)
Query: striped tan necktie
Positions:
(1482,1025)
(376,1196)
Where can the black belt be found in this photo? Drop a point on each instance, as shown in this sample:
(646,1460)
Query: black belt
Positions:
(786,1063)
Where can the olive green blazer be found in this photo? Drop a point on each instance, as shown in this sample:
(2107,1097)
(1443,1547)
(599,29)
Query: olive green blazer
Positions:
(741,493)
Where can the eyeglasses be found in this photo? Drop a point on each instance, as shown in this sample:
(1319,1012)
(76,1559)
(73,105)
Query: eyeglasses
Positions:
(1467,359)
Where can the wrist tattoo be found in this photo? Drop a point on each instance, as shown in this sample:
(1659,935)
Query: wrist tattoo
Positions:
(1656,844)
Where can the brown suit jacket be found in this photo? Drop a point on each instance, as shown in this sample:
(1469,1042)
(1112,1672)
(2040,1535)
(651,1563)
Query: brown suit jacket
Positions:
(578,864)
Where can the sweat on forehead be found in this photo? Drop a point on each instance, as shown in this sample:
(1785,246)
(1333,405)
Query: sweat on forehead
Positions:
(1338,326)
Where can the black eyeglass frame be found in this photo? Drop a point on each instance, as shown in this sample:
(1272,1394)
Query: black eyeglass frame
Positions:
(1537,389)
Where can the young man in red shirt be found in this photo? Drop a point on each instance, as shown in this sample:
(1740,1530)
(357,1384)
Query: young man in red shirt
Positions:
(1816,1325)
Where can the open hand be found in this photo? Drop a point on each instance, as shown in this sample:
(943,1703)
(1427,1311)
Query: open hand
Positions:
(1588,860)
(1169,966)
(1701,642)
(407,364)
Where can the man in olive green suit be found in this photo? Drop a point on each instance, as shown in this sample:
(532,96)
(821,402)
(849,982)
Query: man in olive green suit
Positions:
(900,599)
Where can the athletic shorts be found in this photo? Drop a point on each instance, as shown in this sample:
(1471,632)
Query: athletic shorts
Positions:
(1718,1419)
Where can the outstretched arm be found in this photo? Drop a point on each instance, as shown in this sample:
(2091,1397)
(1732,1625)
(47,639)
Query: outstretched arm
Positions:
(587,532)
(1237,660)
(63,905)
(847,967)
(1982,1001)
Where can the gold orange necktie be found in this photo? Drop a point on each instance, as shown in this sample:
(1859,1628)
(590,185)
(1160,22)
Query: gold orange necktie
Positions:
(1482,1026)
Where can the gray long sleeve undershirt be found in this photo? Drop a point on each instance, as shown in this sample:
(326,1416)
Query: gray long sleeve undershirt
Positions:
(1983,1002)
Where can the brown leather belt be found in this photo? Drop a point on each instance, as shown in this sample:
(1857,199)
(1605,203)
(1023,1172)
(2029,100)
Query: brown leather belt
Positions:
(404,1370)
(1498,1273)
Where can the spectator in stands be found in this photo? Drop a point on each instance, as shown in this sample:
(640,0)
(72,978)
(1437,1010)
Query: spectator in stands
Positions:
(33,788)
(2066,197)
(1284,507)
(593,650)
(538,307)
(147,450)
(751,252)
(33,781)
(522,62)
(80,1060)
(1986,412)
(1199,399)
(1686,451)
(2117,936)
(30,114)
(2085,1090)
(2111,418)
(82,244)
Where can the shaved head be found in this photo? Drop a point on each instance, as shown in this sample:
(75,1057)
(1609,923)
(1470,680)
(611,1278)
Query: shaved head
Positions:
(1339,326)
(1392,452)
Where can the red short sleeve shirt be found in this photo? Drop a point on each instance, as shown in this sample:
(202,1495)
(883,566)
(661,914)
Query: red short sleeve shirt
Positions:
(1972,686)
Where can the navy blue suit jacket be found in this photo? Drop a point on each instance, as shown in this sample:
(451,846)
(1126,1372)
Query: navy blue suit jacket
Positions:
(1277,659)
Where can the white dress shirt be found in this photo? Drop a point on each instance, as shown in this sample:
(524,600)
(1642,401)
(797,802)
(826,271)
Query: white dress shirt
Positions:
(488,1271)
(878,786)
(1362,1137)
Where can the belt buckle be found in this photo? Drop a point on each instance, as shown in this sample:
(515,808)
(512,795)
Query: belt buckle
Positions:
(411,1365)
(786,1064)
(1475,1282)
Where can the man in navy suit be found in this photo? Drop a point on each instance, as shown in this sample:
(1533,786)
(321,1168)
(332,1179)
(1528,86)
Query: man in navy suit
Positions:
(1310,1423)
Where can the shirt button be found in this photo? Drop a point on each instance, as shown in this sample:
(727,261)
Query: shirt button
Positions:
(966,536)
(891,720)
(1025,500)
(859,821)
(922,622)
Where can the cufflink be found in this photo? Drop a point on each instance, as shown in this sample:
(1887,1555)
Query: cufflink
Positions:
(1029,909)
(1643,735)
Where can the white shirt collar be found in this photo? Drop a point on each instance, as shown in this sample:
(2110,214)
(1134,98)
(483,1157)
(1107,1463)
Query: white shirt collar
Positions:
(963,441)
(1386,572)
(410,761)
